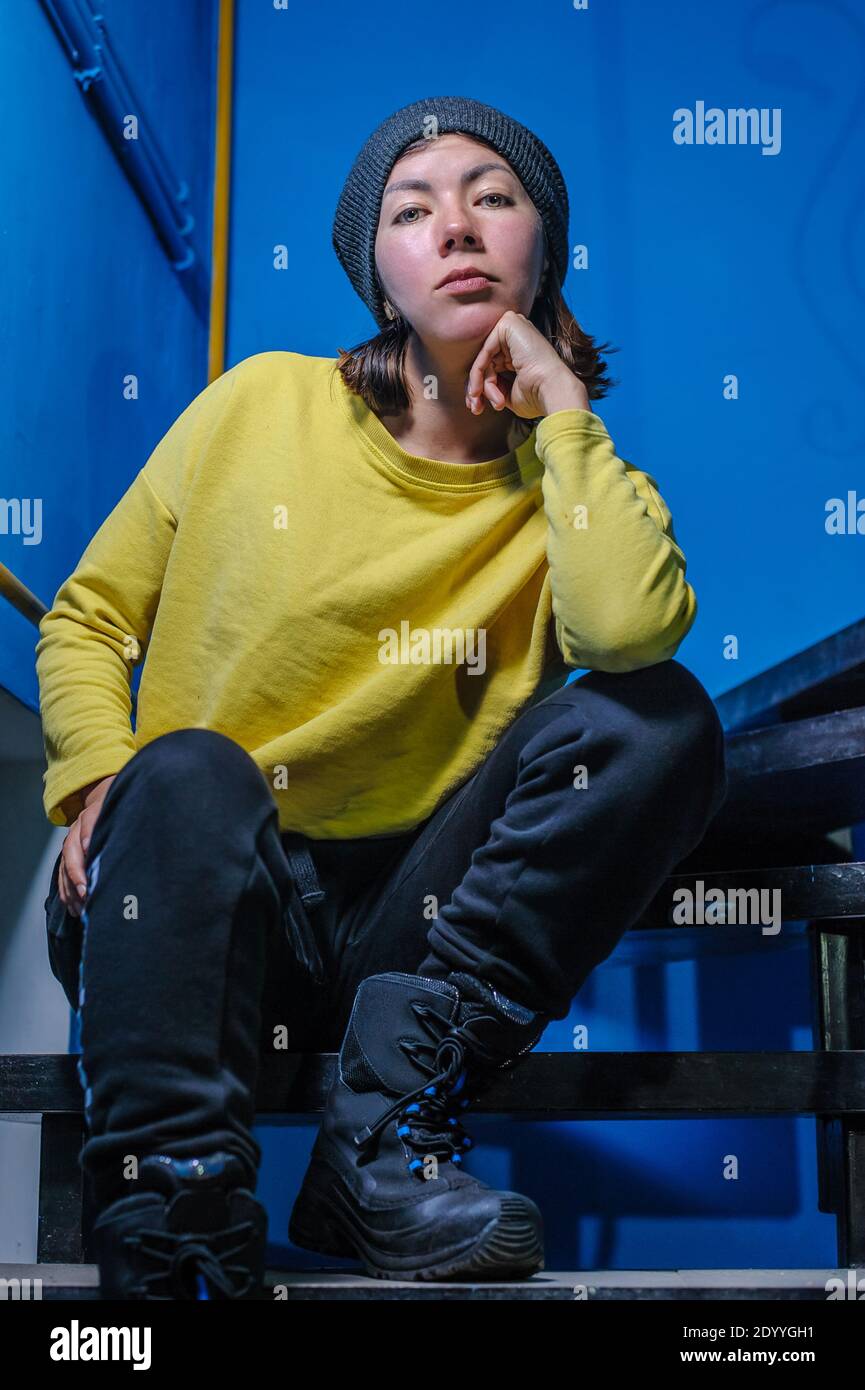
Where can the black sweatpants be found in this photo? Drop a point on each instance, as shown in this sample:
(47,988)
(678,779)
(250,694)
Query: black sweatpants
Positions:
(184,966)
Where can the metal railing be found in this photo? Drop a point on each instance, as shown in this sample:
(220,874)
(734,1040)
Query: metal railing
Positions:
(11,588)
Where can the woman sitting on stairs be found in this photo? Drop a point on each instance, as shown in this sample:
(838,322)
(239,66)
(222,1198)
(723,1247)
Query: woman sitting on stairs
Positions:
(331,829)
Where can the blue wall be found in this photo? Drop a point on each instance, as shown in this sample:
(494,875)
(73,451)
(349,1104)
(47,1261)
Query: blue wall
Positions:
(89,295)
(704,261)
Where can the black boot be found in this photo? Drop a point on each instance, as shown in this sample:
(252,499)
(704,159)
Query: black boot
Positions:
(384,1182)
(191,1230)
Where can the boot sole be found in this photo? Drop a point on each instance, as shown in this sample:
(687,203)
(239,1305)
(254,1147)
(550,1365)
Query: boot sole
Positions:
(508,1248)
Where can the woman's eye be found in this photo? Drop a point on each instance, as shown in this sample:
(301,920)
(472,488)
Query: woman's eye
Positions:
(505,200)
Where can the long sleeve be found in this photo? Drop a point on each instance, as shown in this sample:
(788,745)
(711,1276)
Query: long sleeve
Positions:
(99,625)
(620,599)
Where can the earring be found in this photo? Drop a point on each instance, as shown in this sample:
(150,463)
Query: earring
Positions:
(389,310)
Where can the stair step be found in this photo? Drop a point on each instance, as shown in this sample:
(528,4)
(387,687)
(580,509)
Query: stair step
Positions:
(808,892)
(827,676)
(81,1283)
(546,1085)
(806,775)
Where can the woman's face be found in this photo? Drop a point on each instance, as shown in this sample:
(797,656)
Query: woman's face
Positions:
(459,217)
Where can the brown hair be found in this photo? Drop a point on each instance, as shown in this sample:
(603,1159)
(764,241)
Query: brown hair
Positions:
(375,369)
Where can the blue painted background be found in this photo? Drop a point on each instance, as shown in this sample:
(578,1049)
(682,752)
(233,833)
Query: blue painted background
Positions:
(88,293)
(704,261)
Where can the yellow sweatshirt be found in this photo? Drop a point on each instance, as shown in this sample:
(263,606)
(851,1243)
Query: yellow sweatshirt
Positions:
(366,623)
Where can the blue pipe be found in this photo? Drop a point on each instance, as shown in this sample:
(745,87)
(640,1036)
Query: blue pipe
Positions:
(100,76)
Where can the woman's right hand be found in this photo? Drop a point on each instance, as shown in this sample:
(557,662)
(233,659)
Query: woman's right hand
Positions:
(71,875)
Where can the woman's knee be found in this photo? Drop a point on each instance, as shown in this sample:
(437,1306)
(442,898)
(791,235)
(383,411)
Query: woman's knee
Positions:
(199,763)
(696,712)
(662,709)
(690,733)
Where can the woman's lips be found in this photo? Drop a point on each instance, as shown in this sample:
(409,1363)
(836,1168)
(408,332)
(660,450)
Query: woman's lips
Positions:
(474,282)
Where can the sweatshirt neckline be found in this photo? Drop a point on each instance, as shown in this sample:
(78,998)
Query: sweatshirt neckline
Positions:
(414,468)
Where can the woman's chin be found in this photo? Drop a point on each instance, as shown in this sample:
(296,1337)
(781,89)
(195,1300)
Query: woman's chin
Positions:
(466,323)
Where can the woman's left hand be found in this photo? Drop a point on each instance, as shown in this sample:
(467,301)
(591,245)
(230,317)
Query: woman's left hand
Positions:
(518,369)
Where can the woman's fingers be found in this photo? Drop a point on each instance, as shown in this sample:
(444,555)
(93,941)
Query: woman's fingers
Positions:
(494,392)
(475,395)
(488,390)
(474,385)
(489,365)
(67,897)
(73,859)
(493,357)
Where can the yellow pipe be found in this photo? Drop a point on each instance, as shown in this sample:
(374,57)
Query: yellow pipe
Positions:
(221,190)
(21,597)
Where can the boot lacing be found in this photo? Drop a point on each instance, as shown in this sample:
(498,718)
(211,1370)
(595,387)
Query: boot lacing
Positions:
(173,1251)
(431,1129)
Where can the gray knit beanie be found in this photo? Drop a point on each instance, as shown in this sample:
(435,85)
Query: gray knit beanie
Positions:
(357,213)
